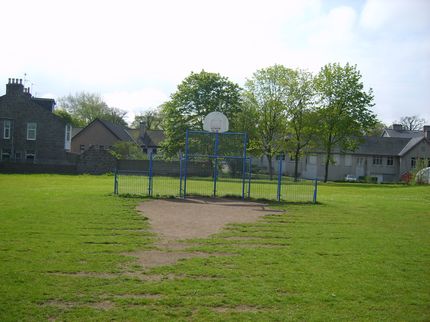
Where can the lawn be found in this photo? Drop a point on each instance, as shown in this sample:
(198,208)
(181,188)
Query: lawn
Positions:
(362,254)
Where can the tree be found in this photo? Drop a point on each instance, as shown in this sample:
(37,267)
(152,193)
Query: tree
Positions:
(66,116)
(377,129)
(301,114)
(343,109)
(412,123)
(197,95)
(127,151)
(151,118)
(266,94)
(86,107)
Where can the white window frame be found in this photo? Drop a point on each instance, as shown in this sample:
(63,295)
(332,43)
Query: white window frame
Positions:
(5,152)
(31,128)
(390,161)
(30,153)
(377,160)
(7,124)
(68,137)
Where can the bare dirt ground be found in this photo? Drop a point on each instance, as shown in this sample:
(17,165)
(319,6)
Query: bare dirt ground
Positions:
(175,220)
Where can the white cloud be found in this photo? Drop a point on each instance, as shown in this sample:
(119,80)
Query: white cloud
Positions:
(136,52)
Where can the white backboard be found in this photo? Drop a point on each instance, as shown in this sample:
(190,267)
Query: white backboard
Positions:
(215,122)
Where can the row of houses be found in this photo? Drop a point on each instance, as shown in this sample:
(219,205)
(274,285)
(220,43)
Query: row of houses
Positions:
(31,133)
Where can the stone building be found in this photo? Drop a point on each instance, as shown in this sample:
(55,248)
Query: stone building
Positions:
(29,131)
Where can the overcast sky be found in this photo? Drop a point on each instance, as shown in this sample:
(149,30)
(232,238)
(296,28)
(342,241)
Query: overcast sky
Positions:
(135,53)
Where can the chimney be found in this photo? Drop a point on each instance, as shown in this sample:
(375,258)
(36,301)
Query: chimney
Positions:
(397,127)
(14,87)
(427,132)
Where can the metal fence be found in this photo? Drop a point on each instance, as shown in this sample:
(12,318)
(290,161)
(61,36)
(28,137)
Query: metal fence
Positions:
(161,178)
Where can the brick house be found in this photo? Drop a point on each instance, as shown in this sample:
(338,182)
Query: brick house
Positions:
(29,131)
(103,135)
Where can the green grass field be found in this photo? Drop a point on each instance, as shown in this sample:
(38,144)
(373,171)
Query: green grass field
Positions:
(362,254)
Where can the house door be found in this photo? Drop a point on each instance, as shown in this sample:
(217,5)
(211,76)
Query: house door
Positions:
(360,169)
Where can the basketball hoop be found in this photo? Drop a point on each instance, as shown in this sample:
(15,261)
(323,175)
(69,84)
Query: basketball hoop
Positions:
(215,122)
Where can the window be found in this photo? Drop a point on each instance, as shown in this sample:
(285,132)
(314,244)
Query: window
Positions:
(377,160)
(428,162)
(31,131)
(5,154)
(390,160)
(101,147)
(68,137)
(413,162)
(17,155)
(6,129)
(30,155)
(82,147)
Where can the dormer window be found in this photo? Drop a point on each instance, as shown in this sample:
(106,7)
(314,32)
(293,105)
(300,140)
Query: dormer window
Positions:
(31,131)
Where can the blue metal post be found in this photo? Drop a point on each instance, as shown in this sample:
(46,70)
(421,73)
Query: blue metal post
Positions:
(249,177)
(279,179)
(216,161)
(315,190)
(185,165)
(180,176)
(150,176)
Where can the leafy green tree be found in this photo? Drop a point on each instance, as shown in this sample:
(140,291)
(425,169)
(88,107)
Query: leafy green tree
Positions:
(197,95)
(127,151)
(343,110)
(151,118)
(66,116)
(301,114)
(376,130)
(86,107)
(266,95)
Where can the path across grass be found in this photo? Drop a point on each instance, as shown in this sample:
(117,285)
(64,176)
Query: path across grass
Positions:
(362,254)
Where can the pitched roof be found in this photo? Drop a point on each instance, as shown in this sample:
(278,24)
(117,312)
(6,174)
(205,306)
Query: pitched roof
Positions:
(152,138)
(402,133)
(410,145)
(376,145)
(118,130)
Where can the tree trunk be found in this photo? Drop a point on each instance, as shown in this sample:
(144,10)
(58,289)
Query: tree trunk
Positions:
(327,161)
(296,164)
(269,159)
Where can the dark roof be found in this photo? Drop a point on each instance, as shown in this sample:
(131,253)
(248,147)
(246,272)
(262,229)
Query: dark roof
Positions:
(118,130)
(402,133)
(376,145)
(412,142)
(152,138)
(46,103)
(76,130)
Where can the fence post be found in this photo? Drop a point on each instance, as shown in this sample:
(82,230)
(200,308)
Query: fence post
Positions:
(315,190)
(180,175)
(115,183)
(249,178)
(185,165)
(278,197)
(244,165)
(216,161)
(150,175)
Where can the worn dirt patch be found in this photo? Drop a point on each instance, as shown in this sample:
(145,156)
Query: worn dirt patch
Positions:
(176,220)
